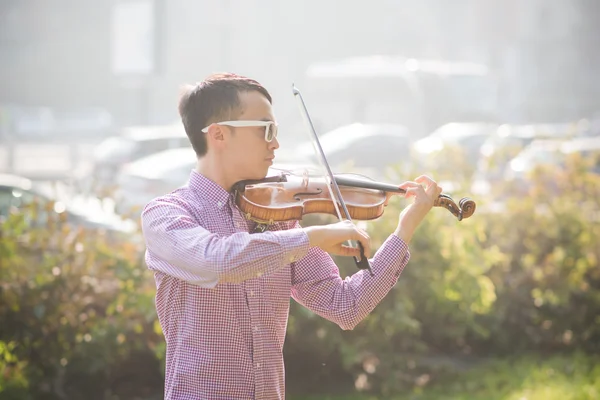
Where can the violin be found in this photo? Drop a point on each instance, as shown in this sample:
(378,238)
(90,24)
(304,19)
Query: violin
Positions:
(279,198)
(276,198)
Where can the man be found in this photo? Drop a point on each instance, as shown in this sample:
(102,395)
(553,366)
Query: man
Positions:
(223,291)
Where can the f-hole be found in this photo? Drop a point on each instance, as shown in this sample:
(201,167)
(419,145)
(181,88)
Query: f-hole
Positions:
(297,195)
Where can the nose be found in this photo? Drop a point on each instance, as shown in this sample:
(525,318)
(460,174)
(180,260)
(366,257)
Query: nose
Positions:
(274,144)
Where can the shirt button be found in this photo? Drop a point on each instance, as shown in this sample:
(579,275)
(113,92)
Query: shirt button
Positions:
(292,259)
(251,293)
(257,365)
(220,204)
(259,274)
(256,329)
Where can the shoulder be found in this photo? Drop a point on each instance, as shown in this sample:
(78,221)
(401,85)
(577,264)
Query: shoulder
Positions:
(179,201)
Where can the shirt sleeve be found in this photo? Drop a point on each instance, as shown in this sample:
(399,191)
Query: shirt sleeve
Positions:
(178,246)
(317,284)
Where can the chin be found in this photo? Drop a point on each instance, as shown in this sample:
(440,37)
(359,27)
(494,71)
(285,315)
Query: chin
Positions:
(264,173)
(265,170)
(257,174)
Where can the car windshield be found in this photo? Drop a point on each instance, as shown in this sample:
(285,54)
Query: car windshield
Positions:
(114,147)
(162,165)
(459,131)
(78,207)
(340,138)
(537,153)
(52,190)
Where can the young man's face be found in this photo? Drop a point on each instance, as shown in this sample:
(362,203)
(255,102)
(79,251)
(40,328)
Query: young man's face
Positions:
(248,153)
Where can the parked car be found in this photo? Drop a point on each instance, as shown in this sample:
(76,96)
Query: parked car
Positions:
(587,147)
(358,147)
(140,181)
(538,152)
(450,153)
(88,212)
(464,136)
(133,144)
(505,144)
(552,153)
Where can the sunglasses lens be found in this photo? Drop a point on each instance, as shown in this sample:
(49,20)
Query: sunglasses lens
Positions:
(271,132)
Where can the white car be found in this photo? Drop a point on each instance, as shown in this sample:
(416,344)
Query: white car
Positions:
(80,210)
(132,144)
(152,176)
(362,148)
(468,136)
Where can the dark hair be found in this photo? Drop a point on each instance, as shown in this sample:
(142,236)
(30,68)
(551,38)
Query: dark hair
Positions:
(212,100)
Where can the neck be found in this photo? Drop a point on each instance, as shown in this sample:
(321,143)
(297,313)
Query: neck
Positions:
(216,171)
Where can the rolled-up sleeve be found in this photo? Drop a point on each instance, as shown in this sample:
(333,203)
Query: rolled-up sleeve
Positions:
(178,246)
(317,284)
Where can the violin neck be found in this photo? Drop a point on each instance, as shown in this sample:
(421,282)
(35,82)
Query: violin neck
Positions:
(367,184)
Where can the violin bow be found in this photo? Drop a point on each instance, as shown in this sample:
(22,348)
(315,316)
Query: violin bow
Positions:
(363,262)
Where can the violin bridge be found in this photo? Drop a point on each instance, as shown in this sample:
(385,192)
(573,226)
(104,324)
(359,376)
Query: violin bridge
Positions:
(305,178)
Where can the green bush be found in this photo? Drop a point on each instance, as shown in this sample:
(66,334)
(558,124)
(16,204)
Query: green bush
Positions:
(77,316)
(531,377)
(516,279)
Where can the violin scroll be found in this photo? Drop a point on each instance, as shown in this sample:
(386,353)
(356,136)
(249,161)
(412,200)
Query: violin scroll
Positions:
(464,209)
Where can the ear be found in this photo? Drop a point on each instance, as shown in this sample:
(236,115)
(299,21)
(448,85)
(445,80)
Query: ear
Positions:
(215,135)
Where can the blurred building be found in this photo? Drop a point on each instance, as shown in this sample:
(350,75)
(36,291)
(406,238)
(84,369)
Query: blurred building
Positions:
(129,57)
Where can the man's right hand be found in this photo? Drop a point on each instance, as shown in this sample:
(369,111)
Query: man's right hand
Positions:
(332,238)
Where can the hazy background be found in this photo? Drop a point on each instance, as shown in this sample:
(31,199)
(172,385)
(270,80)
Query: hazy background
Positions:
(478,94)
(84,68)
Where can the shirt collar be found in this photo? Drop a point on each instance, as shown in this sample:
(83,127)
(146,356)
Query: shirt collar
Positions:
(208,190)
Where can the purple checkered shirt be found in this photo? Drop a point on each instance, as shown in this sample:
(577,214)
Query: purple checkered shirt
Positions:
(223,294)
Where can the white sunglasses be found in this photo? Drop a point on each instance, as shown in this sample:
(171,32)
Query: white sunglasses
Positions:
(270,127)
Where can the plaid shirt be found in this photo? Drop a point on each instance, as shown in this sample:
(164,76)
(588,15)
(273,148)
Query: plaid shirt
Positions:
(223,294)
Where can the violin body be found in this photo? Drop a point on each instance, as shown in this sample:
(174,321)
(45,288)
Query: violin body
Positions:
(291,200)
(278,198)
